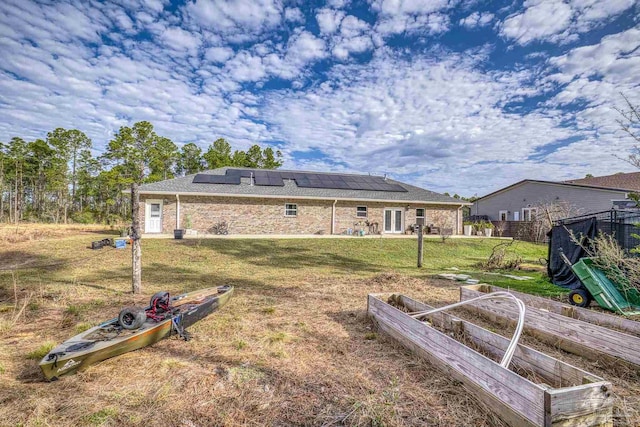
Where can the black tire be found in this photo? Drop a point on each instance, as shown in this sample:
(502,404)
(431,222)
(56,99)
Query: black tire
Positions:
(132,317)
(162,296)
(580,297)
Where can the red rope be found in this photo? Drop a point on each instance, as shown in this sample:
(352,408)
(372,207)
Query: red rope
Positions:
(162,304)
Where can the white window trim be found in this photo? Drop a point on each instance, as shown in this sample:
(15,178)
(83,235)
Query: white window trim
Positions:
(506,215)
(393,212)
(295,210)
(516,216)
(366,212)
(423,216)
(532,212)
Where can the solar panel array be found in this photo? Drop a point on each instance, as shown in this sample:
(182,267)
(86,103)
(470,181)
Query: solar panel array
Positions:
(302,179)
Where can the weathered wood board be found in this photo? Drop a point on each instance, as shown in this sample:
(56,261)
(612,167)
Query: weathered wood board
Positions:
(515,399)
(570,334)
(619,323)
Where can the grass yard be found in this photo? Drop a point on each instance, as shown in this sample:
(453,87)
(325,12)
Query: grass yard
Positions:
(293,347)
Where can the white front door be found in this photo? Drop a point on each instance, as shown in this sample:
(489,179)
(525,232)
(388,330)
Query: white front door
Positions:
(393,220)
(153,216)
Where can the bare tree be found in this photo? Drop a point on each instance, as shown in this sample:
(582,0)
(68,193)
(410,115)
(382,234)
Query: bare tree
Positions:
(544,214)
(630,124)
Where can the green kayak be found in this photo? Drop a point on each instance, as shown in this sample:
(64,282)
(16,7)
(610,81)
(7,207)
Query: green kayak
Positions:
(133,329)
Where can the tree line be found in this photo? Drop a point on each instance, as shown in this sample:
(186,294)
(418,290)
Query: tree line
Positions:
(58,179)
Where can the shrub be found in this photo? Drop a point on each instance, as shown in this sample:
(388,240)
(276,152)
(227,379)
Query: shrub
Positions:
(84,217)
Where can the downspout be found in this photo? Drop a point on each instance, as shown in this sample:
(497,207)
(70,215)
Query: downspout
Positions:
(333,217)
(177,212)
(458,216)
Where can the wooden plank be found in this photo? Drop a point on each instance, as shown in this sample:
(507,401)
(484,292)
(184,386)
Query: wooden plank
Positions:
(552,370)
(619,323)
(581,406)
(575,336)
(516,400)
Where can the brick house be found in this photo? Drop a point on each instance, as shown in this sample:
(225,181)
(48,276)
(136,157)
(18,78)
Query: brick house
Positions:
(254,201)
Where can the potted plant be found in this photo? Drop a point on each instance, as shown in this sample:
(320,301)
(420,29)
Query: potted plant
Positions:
(468,228)
(488,228)
(188,224)
(478,228)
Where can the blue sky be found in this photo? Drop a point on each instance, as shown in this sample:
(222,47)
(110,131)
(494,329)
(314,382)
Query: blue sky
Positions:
(457,96)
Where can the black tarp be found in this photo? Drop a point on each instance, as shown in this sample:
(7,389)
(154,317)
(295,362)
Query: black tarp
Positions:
(560,239)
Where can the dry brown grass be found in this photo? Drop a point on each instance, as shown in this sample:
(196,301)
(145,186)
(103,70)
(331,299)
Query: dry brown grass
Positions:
(23,232)
(293,347)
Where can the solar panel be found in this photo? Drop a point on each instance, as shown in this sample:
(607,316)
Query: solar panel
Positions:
(303,180)
(202,178)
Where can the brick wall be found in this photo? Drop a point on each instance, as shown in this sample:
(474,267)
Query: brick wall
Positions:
(267,216)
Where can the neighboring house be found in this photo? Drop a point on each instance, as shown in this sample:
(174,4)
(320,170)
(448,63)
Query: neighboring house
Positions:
(254,201)
(629,181)
(520,201)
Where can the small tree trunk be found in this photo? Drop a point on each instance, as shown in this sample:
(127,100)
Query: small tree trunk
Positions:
(420,246)
(136,249)
(15,205)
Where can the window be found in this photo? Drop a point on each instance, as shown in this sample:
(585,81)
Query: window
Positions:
(516,216)
(361,211)
(420,216)
(503,215)
(290,209)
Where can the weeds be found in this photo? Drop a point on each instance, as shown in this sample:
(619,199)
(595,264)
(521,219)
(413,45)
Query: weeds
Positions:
(41,351)
(239,344)
(503,257)
(83,326)
(102,416)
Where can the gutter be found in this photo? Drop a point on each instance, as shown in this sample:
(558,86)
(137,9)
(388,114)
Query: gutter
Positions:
(333,217)
(290,197)
(177,212)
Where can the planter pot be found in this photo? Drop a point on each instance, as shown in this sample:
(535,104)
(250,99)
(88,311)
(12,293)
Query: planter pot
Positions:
(488,232)
(479,233)
(178,234)
(468,230)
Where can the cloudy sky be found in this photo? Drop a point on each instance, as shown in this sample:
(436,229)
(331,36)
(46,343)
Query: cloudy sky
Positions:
(457,96)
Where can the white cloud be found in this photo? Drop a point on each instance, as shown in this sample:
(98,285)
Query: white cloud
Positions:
(305,48)
(477,19)
(246,67)
(218,54)
(236,16)
(432,24)
(294,14)
(329,20)
(539,21)
(181,40)
(559,21)
(409,7)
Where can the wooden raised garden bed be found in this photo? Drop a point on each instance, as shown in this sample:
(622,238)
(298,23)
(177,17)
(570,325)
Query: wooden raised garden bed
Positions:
(563,330)
(537,390)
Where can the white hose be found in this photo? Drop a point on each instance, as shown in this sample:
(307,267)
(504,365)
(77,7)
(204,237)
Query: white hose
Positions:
(511,349)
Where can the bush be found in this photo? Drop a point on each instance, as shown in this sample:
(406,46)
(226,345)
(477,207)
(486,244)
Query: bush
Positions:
(84,217)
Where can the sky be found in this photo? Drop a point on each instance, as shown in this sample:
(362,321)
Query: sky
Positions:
(454,96)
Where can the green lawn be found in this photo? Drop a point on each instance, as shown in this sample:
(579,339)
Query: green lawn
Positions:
(268,260)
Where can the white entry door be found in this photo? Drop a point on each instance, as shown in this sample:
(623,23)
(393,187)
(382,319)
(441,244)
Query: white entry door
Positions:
(153,216)
(393,220)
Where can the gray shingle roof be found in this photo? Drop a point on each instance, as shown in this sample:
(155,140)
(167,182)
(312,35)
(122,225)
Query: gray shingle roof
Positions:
(184,185)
